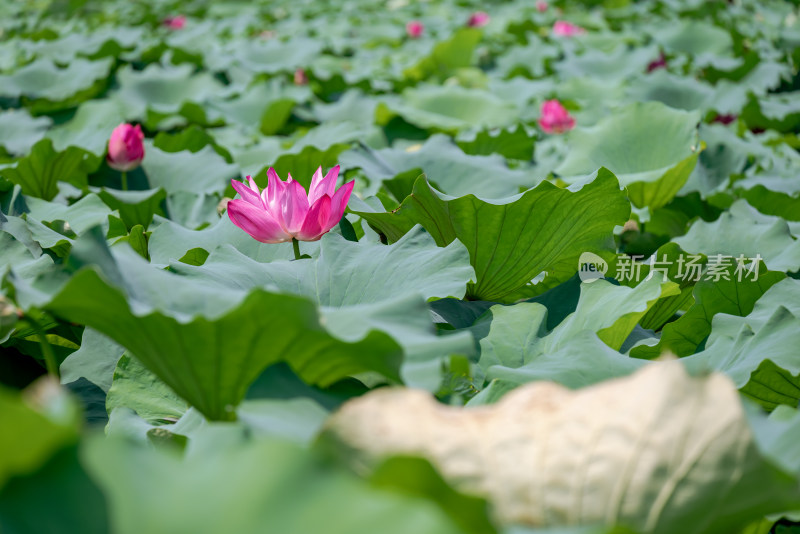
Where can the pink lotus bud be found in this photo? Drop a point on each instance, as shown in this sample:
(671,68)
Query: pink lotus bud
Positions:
(566,29)
(725,118)
(478,19)
(555,118)
(283,211)
(300,77)
(541,6)
(125,147)
(414,29)
(660,63)
(175,23)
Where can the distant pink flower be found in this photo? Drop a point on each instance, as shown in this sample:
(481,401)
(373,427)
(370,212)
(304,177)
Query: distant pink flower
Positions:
(478,19)
(414,29)
(725,118)
(566,29)
(300,77)
(283,211)
(125,147)
(175,23)
(555,118)
(660,63)
(541,6)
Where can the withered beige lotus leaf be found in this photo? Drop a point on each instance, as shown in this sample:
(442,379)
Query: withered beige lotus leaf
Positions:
(658,451)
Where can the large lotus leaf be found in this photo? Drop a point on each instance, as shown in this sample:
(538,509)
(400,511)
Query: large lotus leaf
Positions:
(447,56)
(511,241)
(530,58)
(203,171)
(658,452)
(42,79)
(267,482)
(732,96)
(40,171)
(513,144)
(758,351)
(521,92)
(171,241)
(266,56)
(135,207)
(84,214)
(136,388)
(90,127)
(353,105)
(772,195)
(650,147)
(95,360)
(19,250)
(675,91)
(449,108)
(207,344)
(621,64)
(694,37)
(407,320)
(382,293)
(19,131)
(517,336)
(446,165)
(779,111)
(725,154)
(345,273)
(727,295)
(162,89)
(32,230)
(33,427)
(777,434)
(101,41)
(259,102)
(743,230)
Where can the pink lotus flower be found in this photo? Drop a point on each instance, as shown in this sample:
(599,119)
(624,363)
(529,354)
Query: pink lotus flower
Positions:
(541,6)
(125,147)
(414,29)
(566,29)
(660,63)
(283,211)
(555,118)
(175,23)
(300,77)
(478,19)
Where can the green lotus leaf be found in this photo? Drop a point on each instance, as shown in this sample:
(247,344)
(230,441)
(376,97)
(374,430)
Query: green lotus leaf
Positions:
(187,319)
(449,108)
(650,147)
(445,164)
(511,241)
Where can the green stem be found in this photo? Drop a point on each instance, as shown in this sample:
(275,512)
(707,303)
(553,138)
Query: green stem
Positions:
(296,246)
(124,180)
(47,349)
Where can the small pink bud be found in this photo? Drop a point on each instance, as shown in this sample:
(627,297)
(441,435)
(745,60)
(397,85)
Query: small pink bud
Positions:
(660,63)
(566,29)
(478,19)
(555,118)
(541,6)
(125,147)
(414,29)
(175,23)
(300,77)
